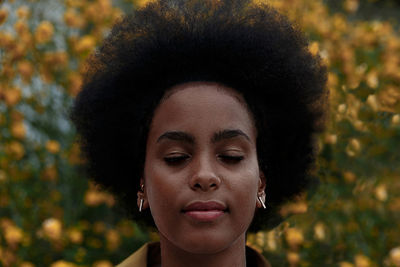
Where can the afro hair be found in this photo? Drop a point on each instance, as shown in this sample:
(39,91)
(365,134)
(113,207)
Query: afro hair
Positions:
(246,46)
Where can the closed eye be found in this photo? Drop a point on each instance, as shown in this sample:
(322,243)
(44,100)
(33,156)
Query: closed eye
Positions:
(230,159)
(175,160)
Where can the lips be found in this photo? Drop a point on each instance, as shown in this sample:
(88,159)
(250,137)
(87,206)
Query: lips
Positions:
(205,211)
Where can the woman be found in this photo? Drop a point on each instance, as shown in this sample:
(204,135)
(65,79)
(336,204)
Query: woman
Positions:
(204,115)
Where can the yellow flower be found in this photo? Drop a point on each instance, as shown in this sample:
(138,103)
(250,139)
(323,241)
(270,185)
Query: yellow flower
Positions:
(50,173)
(294,237)
(93,198)
(372,101)
(75,236)
(53,146)
(12,96)
(394,205)
(104,7)
(332,80)
(342,108)
(351,6)
(62,263)
(44,32)
(75,156)
(7,40)
(75,83)
(113,239)
(314,48)
(260,239)
(26,39)
(21,27)
(294,208)
(389,97)
(331,139)
(13,235)
(19,51)
(45,72)
(319,231)
(17,116)
(3,176)
(57,60)
(25,69)
(85,44)
(345,264)
(18,130)
(23,12)
(372,79)
(381,192)
(52,228)
(15,149)
(73,19)
(3,15)
(102,264)
(353,147)
(362,261)
(75,3)
(396,119)
(141,3)
(271,241)
(395,256)
(293,258)
(340,22)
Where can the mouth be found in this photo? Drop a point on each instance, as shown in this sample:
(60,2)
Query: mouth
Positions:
(205,211)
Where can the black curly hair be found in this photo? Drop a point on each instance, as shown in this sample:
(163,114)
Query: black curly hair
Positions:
(242,45)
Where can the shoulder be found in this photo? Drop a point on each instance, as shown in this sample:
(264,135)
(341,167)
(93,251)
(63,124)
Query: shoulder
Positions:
(137,259)
(254,258)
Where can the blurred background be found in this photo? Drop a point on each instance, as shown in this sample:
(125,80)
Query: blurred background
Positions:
(51,216)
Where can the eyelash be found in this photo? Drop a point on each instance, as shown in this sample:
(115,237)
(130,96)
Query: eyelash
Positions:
(231,159)
(176,160)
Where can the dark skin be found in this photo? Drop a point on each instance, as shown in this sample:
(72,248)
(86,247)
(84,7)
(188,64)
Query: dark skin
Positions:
(202,147)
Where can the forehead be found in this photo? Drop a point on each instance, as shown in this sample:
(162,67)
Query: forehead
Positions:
(199,106)
(202,85)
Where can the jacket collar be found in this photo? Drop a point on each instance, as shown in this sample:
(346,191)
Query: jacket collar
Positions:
(150,252)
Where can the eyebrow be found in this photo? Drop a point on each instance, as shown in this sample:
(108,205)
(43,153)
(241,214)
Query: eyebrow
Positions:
(177,136)
(228,134)
(217,137)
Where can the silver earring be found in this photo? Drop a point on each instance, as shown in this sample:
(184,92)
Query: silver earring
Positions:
(141,205)
(262,202)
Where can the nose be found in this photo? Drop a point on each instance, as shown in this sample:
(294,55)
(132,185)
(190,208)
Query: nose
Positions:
(204,176)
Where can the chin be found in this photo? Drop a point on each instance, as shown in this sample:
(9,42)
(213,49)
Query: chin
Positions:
(207,244)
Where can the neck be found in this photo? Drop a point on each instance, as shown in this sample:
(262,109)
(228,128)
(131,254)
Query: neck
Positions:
(232,256)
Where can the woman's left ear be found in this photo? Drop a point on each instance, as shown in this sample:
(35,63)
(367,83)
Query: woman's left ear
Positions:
(261,190)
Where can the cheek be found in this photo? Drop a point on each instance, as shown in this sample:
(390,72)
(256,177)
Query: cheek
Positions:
(245,185)
(160,189)
(251,184)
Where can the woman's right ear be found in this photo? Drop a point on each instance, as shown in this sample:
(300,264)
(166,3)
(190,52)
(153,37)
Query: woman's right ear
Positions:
(141,197)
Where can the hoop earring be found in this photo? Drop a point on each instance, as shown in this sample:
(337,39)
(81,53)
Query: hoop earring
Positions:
(141,205)
(262,202)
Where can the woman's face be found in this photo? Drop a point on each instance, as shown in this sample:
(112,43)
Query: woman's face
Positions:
(201,172)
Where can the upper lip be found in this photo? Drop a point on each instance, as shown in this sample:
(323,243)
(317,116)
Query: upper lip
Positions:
(204,205)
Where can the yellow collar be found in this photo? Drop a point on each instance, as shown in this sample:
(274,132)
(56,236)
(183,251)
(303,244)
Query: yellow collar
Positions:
(139,257)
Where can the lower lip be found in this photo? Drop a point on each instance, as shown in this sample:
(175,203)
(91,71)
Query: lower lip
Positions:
(205,215)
